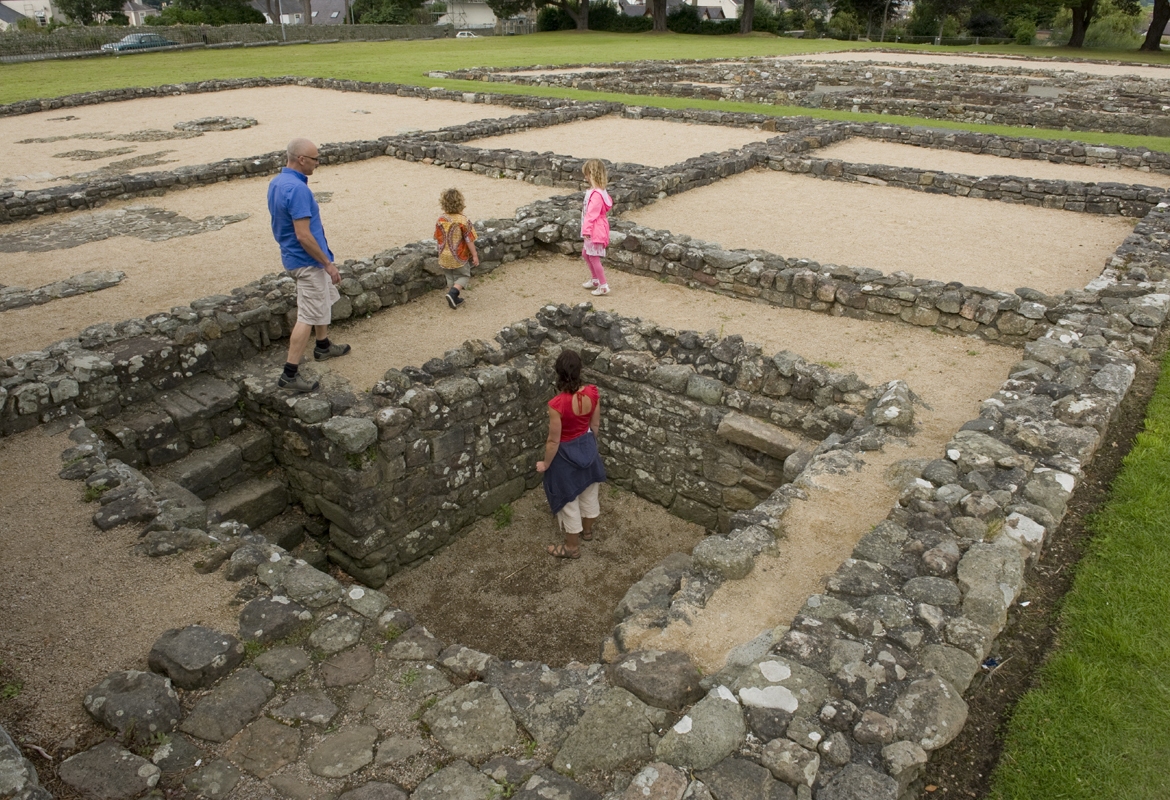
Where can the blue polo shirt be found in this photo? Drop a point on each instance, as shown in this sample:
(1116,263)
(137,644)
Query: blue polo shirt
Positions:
(289,198)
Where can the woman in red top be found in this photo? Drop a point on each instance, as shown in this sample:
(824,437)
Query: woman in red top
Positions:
(572,466)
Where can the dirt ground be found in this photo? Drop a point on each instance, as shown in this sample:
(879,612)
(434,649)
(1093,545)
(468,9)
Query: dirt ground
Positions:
(868,151)
(516,602)
(977,242)
(283,113)
(373,205)
(651,142)
(76,603)
(1039,64)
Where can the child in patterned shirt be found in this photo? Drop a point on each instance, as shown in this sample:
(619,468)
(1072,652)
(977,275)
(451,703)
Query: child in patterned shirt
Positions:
(455,236)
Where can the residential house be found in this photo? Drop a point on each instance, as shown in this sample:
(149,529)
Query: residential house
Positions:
(468,15)
(137,13)
(41,11)
(291,12)
(9,18)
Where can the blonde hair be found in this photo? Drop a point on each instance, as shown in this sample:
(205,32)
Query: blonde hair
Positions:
(594,172)
(452,201)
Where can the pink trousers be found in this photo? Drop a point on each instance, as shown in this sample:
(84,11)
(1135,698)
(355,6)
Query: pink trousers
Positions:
(595,268)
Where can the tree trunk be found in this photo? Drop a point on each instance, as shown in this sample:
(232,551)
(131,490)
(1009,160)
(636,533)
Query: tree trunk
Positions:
(1082,15)
(658,9)
(580,16)
(1153,40)
(746,15)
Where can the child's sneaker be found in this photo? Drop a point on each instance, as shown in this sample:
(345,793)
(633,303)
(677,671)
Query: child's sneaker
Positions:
(590,284)
(602,289)
(453,298)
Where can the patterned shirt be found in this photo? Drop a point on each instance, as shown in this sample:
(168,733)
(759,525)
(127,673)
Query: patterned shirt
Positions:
(454,234)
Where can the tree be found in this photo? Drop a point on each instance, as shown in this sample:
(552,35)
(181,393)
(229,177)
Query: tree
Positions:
(1161,16)
(746,15)
(386,12)
(87,12)
(658,11)
(577,11)
(1082,16)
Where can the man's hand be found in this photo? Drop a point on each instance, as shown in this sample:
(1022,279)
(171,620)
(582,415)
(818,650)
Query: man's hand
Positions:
(333,274)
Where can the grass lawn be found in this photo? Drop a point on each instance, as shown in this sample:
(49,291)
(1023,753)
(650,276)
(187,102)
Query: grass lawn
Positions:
(409,63)
(1098,725)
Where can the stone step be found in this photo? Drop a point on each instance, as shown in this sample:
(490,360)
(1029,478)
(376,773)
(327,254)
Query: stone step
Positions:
(211,469)
(286,530)
(252,502)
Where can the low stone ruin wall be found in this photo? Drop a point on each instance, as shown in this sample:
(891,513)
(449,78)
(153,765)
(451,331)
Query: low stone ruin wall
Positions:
(109,367)
(447,147)
(984,95)
(847,702)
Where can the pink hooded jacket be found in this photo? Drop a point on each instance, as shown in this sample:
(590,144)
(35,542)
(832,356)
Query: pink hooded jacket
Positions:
(594,223)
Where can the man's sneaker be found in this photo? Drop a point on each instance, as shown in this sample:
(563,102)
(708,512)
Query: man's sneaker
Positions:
(602,289)
(590,284)
(458,302)
(333,351)
(298,384)
(453,299)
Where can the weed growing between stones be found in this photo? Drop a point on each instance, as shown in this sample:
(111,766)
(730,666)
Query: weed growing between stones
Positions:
(392,633)
(11,689)
(502,516)
(93,493)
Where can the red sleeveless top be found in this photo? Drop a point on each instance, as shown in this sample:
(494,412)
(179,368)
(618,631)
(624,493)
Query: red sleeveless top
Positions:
(573,425)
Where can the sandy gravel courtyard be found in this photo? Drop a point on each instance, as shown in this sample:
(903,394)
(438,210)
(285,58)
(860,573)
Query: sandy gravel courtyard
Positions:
(977,242)
(651,142)
(372,205)
(283,113)
(867,151)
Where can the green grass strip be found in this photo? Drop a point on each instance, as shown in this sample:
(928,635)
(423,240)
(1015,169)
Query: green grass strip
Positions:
(409,62)
(1098,724)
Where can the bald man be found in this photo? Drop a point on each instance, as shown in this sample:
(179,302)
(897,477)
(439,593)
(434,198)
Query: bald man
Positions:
(296,225)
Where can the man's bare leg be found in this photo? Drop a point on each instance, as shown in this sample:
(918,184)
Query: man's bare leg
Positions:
(299,339)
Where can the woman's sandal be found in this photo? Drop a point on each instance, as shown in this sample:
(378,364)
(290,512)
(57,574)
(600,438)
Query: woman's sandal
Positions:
(560,551)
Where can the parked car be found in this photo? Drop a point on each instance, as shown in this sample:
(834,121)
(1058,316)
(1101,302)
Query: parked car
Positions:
(138,41)
(465,35)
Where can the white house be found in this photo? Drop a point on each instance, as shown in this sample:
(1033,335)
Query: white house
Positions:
(39,10)
(464,15)
(9,17)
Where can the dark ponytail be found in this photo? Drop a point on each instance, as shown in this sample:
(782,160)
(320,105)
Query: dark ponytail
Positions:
(568,369)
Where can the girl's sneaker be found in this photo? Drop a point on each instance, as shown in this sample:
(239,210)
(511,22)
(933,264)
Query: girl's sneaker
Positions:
(590,284)
(602,289)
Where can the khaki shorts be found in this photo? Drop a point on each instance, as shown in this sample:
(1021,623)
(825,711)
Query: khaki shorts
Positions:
(458,277)
(316,295)
(585,505)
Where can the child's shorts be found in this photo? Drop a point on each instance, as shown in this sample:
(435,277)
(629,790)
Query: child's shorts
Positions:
(458,277)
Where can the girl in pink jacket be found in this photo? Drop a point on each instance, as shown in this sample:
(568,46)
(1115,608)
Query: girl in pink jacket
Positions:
(595,225)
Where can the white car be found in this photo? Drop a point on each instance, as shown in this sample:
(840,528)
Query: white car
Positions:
(465,35)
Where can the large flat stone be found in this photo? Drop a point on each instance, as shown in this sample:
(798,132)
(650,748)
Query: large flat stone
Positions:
(225,711)
(264,747)
(252,503)
(758,435)
(195,657)
(473,722)
(109,772)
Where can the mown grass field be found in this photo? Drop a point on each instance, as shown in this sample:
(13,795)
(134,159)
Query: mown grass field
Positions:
(1098,726)
(409,62)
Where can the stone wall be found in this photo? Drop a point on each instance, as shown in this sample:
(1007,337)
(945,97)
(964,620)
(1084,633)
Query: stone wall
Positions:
(1127,316)
(454,440)
(972,94)
(109,367)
